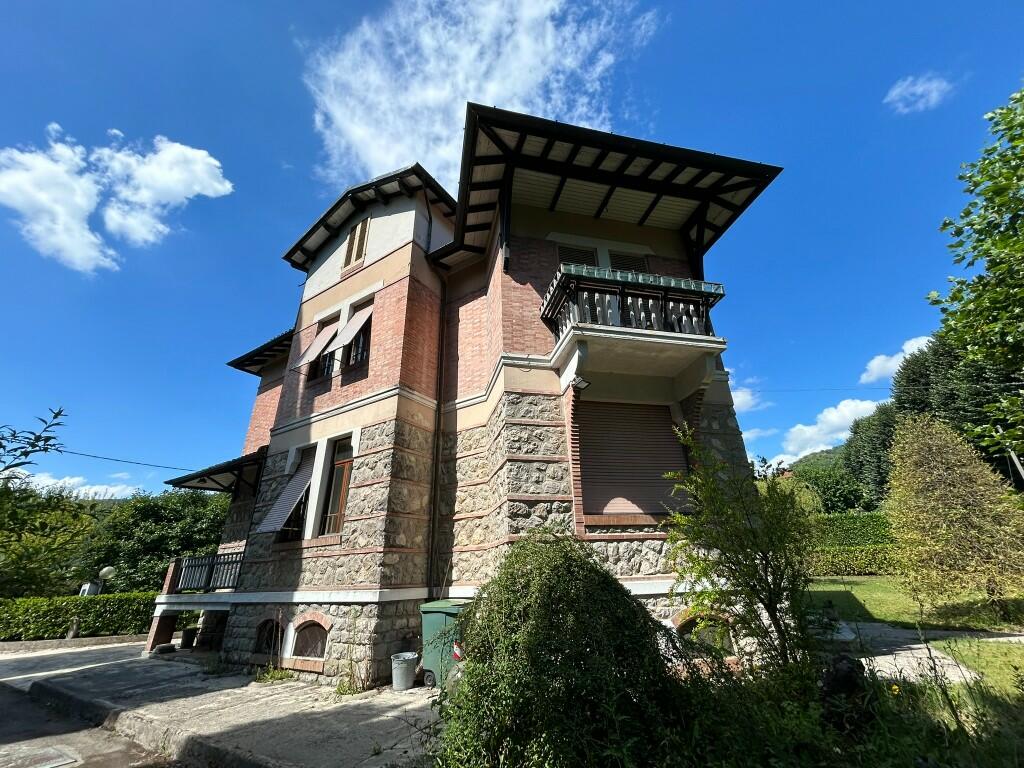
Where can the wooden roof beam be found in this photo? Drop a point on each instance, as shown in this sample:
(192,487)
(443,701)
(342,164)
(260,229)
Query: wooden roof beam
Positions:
(650,210)
(558,193)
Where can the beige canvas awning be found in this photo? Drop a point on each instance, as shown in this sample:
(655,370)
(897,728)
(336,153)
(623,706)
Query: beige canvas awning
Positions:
(352,327)
(314,350)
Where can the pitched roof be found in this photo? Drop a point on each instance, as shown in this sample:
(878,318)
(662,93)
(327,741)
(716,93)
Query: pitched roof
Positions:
(408,181)
(253,360)
(566,168)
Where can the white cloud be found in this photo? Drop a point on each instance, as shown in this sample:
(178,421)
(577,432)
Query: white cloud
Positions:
(830,427)
(121,475)
(745,399)
(54,191)
(145,187)
(749,435)
(884,366)
(918,93)
(393,90)
(81,487)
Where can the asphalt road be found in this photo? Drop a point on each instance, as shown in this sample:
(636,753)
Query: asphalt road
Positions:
(32,736)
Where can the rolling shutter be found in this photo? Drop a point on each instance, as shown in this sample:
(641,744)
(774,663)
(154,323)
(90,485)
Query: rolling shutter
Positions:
(293,491)
(625,451)
(627,262)
(570,254)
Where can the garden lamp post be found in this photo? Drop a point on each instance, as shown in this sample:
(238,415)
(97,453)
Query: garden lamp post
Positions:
(106,574)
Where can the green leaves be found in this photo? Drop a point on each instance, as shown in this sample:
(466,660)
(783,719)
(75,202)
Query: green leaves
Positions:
(48,618)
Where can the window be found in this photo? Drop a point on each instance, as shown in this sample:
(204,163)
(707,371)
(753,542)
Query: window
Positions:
(296,522)
(337,482)
(627,262)
(322,367)
(572,254)
(356,243)
(358,351)
(269,639)
(310,641)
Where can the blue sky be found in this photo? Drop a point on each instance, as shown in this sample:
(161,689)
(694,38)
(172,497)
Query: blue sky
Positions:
(136,262)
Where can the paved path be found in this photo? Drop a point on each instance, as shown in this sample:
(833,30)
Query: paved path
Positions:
(33,736)
(895,652)
(178,710)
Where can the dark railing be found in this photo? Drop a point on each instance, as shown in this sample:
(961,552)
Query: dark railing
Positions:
(612,297)
(209,572)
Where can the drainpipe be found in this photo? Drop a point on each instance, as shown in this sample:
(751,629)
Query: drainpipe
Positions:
(435,476)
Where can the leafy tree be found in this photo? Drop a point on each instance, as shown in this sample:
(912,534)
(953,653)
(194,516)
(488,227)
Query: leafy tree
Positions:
(955,522)
(40,530)
(138,536)
(912,382)
(984,314)
(742,553)
(866,456)
(40,534)
(838,490)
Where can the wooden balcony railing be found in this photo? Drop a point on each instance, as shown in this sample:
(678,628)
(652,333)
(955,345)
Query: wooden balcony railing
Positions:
(600,296)
(209,572)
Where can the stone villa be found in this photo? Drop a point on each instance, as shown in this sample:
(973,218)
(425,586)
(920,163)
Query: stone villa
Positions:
(461,371)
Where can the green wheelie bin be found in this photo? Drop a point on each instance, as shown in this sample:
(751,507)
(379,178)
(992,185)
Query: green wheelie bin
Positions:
(438,618)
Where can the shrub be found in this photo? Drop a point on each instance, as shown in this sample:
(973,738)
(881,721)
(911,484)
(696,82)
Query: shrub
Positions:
(853,529)
(838,489)
(954,521)
(48,618)
(871,560)
(564,667)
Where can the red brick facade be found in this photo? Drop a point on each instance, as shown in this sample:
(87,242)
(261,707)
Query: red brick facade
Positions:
(264,412)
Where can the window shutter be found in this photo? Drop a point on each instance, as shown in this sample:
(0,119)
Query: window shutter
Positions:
(350,248)
(625,451)
(290,496)
(628,262)
(570,254)
(361,245)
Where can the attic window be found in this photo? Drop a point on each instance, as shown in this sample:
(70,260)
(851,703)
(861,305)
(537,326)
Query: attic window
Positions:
(627,262)
(570,254)
(356,247)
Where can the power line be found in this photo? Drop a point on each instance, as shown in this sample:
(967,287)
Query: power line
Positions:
(125,461)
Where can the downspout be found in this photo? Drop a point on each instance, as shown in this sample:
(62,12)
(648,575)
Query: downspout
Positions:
(435,476)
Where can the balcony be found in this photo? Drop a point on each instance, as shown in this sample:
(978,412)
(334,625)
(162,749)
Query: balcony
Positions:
(631,322)
(207,573)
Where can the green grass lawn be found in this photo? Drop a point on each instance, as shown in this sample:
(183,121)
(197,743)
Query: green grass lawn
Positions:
(878,598)
(998,663)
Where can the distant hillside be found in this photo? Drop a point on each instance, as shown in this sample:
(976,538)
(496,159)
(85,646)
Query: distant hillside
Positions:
(819,459)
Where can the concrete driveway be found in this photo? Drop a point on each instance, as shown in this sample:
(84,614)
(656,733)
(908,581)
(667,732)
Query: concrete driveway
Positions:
(199,719)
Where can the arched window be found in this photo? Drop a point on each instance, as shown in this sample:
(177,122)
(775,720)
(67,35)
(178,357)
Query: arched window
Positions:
(269,638)
(310,641)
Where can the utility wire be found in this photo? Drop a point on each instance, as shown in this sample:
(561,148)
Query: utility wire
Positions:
(125,461)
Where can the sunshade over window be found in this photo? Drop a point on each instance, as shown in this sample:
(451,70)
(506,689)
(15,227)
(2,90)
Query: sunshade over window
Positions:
(352,327)
(314,350)
(289,497)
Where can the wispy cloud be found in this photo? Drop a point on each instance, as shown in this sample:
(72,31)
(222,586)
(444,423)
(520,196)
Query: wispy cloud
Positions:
(392,90)
(830,427)
(746,399)
(750,435)
(918,93)
(121,475)
(884,366)
(81,487)
(55,190)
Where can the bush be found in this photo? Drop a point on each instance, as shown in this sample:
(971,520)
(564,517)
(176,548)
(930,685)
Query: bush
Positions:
(48,618)
(838,489)
(854,529)
(871,560)
(955,522)
(564,667)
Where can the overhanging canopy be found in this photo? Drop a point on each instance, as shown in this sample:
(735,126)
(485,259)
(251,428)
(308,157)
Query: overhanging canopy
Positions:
(219,477)
(511,158)
(319,345)
(254,360)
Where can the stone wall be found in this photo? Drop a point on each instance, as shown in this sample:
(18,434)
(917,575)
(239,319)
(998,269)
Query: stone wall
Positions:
(361,639)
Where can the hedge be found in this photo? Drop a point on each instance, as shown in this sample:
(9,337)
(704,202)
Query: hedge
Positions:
(48,618)
(853,544)
(852,561)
